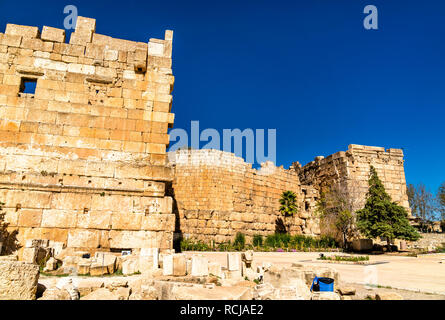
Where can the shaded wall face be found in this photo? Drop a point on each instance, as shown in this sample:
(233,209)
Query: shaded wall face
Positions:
(83,157)
(218,195)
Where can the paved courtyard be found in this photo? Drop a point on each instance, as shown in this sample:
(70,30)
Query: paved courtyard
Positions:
(424,273)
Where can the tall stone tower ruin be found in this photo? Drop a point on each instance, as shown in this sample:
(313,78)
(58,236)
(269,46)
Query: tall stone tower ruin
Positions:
(83,157)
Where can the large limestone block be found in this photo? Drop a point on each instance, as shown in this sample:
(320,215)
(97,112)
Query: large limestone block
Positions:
(362,245)
(86,286)
(146,264)
(51,265)
(279,276)
(18,280)
(388,296)
(167,265)
(96,269)
(107,260)
(233,261)
(215,269)
(200,266)
(55,294)
(53,34)
(179,265)
(325,296)
(82,238)
(130,265)
(132,239)
(24,31)
(106,294)
(216,293)
(151,252)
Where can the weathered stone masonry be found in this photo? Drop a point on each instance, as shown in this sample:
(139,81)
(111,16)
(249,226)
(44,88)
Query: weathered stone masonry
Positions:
(218,194)
(351,168)
(83,160)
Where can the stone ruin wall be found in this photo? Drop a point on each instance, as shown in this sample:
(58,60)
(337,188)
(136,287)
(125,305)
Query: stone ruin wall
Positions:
(352,168)
(218,194)
(83,160)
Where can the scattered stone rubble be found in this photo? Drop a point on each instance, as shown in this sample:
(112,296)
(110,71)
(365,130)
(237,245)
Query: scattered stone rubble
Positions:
(182,277)
(153,274)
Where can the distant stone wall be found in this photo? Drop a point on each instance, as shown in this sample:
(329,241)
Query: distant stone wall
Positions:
(218,194)
(83,158)
(352,168)
(433,240)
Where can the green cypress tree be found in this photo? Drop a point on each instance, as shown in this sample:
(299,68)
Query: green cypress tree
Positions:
(381,217)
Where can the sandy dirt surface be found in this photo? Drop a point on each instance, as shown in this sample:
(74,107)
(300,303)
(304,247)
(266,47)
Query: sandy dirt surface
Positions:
(425,274)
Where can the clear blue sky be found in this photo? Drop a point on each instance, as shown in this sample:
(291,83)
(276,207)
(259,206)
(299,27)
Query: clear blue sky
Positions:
(307,68)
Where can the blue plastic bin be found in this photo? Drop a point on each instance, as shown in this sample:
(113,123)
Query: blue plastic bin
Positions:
(322,284)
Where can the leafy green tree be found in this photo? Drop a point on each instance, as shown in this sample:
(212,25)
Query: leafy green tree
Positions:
(288,204)
(381,217)
(288,207)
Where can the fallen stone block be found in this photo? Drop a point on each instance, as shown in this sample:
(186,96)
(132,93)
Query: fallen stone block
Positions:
(18,280)
(112,284)
(215,269)
(55,294)
(153,253)
(179,265)
(130,265)
(106,259)
(145,293)
(200,266)
(145,264)
(86,286)
(51,265)
(143,289)
(264,292)
(83,268)
(106,294)
(346,291)
(325,296)
(362,245)
(388,296)
(97,269)
(233,261)
(217,293)
(167,265)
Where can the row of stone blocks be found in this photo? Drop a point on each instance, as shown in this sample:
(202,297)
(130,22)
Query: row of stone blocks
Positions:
(200,266)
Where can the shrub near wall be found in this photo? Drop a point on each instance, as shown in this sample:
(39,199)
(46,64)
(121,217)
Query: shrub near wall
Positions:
(274,242)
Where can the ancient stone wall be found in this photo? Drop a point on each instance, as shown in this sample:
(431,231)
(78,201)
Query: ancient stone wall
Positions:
(352,168)
(218,194)
(429,240)
(83,158)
